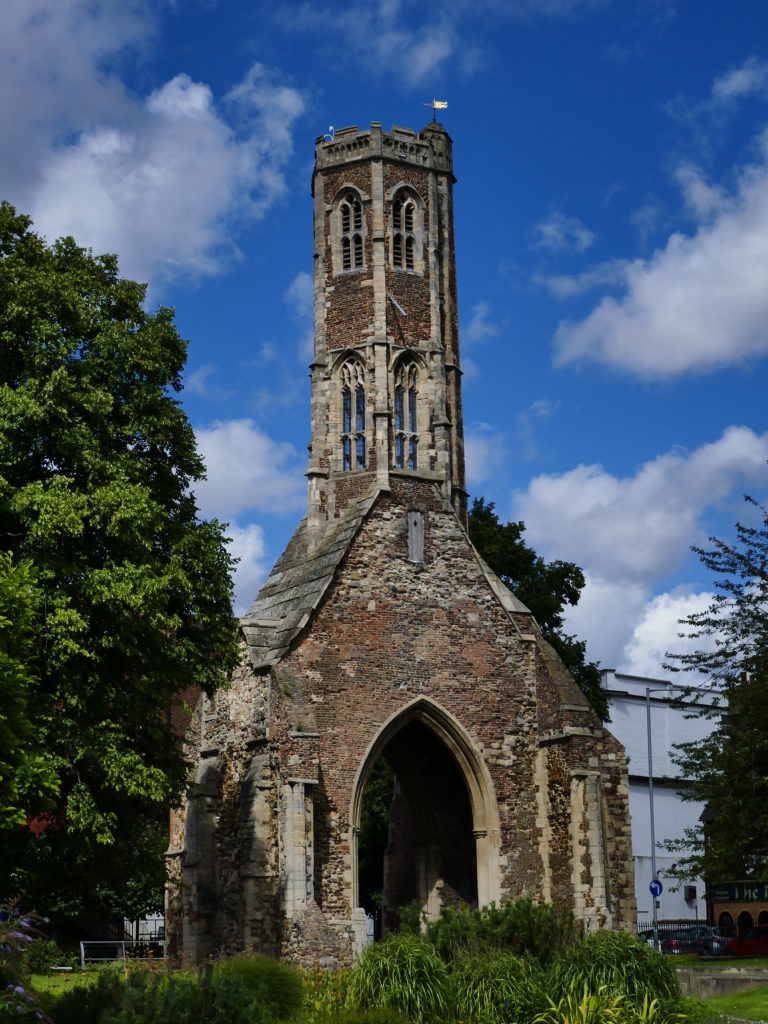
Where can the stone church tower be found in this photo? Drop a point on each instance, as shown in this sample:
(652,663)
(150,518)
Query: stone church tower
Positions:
(380,631)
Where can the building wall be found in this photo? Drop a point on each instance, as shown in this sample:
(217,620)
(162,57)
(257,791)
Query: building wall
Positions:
(669,725)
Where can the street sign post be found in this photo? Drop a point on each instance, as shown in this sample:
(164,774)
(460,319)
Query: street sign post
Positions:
(656,888)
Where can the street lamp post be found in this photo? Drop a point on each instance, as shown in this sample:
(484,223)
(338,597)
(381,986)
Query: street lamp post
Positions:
(648,691)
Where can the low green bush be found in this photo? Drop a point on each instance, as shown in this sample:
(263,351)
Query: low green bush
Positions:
(275,983)
(618,962)
(156,998)
(43,954)
(404,973)
(86,1004)
(518,926)
(496,986)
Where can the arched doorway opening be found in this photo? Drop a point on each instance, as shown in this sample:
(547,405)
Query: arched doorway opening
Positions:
(744,922)
(425,819)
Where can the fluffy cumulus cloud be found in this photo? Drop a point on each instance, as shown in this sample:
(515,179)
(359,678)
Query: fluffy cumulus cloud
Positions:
(484,452)
(700,301)
(247,545)
(166,180)
(629,533)
(248,470)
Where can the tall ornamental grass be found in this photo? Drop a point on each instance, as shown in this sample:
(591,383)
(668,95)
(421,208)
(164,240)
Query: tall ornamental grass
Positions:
(496,986)
(404,973)
(617,962)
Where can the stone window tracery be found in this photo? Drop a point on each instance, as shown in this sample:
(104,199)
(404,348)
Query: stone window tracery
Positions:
(352,416)
(351,232)
(407,232)
(406,424)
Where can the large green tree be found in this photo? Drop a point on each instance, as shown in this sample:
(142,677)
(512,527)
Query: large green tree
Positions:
(97,465)
(729,770)
(544,587)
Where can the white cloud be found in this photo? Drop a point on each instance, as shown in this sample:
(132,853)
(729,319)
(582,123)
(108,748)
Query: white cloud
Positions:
(629,534)
(379,37)
(300,294)
(247,544)
(565,286)
(248,470)
(638,528)
(167,181)
(559,232)
(525,426)
(479,327)
(658,630)
(698,303)
(484,452)
(750,78)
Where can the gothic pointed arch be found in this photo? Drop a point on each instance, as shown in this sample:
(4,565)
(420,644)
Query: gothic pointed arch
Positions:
(473,771)
(353,413)
(348,230)
(407,232)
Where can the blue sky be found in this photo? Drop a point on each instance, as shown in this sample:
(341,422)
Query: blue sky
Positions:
(611,234)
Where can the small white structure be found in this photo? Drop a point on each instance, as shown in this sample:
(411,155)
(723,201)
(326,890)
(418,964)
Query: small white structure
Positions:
(670,724)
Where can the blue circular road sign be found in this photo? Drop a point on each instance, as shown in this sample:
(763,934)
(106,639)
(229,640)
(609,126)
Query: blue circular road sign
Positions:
(656,887)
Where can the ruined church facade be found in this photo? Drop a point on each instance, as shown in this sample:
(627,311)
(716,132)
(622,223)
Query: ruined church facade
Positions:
(380,631)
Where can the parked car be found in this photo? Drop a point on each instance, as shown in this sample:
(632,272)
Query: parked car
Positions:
(713,942)
(682,940)
(752,943)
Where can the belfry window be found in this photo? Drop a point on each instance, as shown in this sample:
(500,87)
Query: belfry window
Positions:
(406,417)
(352,416)
(351,214)
(403,242)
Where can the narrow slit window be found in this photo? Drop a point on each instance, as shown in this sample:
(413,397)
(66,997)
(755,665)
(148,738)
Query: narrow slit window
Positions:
(397,250)
(412,410)
(409,253)
(409,216)
(396,208)
(400,452)
(358,216)
(347,450)
(360,451)
(359,408)
(358,252)
(346,256)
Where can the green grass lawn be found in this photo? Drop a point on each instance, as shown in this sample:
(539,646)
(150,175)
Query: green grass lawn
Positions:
(56,983)
(752,1005)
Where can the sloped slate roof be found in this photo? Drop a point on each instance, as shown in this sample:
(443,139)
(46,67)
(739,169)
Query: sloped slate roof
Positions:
(296,585)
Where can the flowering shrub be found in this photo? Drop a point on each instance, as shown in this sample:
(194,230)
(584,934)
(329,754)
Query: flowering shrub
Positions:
(16,1002)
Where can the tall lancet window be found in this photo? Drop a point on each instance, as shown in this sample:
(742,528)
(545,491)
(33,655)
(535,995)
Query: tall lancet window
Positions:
(403,232)
(352,416)
(406,417)
(351,213)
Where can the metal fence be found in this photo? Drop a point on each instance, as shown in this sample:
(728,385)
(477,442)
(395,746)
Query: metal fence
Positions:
(116,951)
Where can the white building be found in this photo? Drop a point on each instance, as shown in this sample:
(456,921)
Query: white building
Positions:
(670,724)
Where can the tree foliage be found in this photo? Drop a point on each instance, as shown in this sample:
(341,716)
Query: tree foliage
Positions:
(97,461)
(729,769)
(544,587)
(27,776)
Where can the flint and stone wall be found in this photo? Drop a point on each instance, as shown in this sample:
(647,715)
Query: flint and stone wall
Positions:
(265,848)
